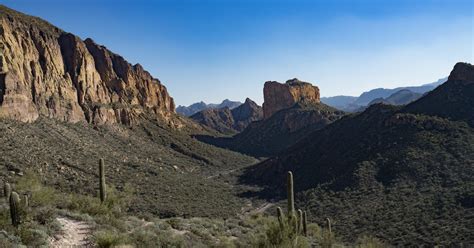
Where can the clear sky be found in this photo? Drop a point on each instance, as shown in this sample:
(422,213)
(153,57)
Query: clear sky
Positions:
(216,49)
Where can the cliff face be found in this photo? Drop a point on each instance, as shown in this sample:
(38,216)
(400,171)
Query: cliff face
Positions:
(279,96)
(47,72)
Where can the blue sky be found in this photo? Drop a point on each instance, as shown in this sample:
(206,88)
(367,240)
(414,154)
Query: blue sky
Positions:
(211,50)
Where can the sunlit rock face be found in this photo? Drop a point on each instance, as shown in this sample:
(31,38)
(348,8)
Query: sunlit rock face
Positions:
(45,71)
(279,96)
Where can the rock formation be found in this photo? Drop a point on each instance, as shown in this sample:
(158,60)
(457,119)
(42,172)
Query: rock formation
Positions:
(45,71)
(246,114)
(279,96)
(226,120)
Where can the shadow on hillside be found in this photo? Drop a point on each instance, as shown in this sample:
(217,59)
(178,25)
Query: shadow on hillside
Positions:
(262,186)
(222,142)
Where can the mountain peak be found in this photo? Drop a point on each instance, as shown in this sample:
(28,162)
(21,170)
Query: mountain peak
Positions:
(452,100)
(462,72)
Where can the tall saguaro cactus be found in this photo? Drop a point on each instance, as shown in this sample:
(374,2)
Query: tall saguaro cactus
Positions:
(102,186)
(290,194)
(15,209)
(281,218)
(7,190)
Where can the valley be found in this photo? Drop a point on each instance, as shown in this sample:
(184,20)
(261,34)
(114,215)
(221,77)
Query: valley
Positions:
(397,172)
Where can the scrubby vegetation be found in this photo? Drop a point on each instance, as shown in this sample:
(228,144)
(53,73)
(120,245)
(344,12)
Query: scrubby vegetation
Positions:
(174,174)
(112,226)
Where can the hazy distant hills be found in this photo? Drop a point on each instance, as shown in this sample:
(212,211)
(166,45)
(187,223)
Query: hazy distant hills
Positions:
(354,104)
(401,97)
(199,106)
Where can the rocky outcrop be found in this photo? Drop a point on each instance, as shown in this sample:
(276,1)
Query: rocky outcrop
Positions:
(246,114)
(279,96)
(226,120)
(220,120)
(45,71)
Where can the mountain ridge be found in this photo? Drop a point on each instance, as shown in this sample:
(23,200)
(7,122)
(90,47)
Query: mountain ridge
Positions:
(398,155)
(358,103)
(200,106)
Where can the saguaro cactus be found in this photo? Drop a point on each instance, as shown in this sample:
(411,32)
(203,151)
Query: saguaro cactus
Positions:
(7,190)
(329,225)
(290,194)
(300,221)
(26,200)
(15,208)
(102,186)
(305,224)
(281,218)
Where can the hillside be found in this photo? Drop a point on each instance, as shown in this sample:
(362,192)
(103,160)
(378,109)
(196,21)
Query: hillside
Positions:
(453,100)
(168,169)
(65,103)
(275,134)
(382,171)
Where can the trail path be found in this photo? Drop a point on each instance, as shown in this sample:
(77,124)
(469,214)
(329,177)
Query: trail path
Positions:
(263,207)
(74,234)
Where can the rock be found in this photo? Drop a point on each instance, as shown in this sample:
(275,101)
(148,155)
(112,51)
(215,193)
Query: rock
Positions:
(462,72)
(217,119)
(45,71)
(226,120)
(246,114)
(279,96)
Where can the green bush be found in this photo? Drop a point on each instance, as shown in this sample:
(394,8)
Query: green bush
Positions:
(108,238)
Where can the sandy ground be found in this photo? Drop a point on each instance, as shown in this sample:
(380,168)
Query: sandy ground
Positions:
(74,234)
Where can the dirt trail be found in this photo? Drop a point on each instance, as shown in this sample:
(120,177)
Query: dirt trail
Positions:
(74,234)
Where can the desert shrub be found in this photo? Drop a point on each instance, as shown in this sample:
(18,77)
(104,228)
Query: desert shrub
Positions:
(109,238)
(32,234)
(40,195)
(370,242)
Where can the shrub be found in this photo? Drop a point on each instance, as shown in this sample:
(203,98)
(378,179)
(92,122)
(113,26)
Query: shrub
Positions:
(108,238)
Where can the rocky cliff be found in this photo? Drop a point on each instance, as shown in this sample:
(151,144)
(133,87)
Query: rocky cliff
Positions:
(279,96)
(45,71)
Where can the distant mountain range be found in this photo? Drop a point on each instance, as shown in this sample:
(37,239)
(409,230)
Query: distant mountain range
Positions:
(355,104)
(401,97)
(200,106)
